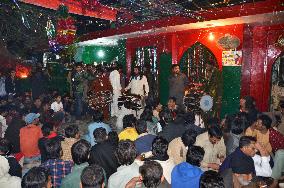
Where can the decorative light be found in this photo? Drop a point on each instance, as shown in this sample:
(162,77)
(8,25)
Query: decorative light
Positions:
(211,36)
(101,53)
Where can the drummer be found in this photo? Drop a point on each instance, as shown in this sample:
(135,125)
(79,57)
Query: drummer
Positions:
(138,85)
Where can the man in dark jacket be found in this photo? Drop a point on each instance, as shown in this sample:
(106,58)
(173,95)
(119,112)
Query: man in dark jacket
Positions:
(177,84)
(103,152)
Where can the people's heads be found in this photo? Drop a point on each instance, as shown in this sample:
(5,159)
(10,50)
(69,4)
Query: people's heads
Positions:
(243,169)
(141,126)
(172,103)
(72,131)
(57,98)
(47,128)
(5,147)
(212,121)
(188,137)
(92,176)
(152,174)
(36,177)
(195,155)
(215,134)
(80,151)
(166,115)
(147,114)
(136,70)
(32,118)
(45,106)
(37,102)
(211,179)
(129,121)
(125,152)
(263,122)
(13,73)
(247,103)
(100,134)
(157,106)
(53,149)
(160,147)
(175,69)
(189,118)
(79,67)
(247,145)
(98,116)
(238,125)
(113,137)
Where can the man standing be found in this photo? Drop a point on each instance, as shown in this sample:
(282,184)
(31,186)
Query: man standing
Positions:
(177,84)
(78,79)
(114,78)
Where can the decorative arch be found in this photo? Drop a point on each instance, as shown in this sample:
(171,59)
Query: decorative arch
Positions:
(192,62)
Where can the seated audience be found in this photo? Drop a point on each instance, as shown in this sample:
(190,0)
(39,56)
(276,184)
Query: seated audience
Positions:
(103,152)
(129,131)
(125,154)
(151,176)
(173,107)
(211,179)
(98,118)
(5,151)
(6,180)
(57,167)
(170,128)
(144,141)
(29,137)
(178,147)
(58,109)
(72,135)
(187,174)
(37,177)
(49,132)
(247,105)
(243,153)
(80,154)
(159,152)
(238,125)
(147,116)
(214,147)
(36,107)
(270,138)
(12,133)
(92,176)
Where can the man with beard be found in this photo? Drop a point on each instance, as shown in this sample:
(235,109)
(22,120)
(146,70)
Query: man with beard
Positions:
(177,85)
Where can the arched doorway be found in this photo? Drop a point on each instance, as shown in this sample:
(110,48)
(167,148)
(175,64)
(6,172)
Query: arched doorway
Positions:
(193,61)
(277,83)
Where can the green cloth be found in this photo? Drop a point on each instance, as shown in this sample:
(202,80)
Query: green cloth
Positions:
(73,179)
(278,168)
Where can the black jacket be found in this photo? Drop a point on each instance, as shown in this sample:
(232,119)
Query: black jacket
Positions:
(172,131)
(12,133)
(103,155)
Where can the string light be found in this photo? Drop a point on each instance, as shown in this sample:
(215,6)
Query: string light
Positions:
(211,37)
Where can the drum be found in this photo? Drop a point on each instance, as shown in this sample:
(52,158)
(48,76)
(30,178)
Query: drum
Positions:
(130,101)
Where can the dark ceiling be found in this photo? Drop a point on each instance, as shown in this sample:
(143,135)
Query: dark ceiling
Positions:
(144,10)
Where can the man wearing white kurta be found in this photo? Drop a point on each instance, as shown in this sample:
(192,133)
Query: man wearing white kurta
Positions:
(138,86)
(114,79)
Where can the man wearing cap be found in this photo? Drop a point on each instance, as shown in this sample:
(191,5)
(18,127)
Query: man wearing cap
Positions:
(29,136)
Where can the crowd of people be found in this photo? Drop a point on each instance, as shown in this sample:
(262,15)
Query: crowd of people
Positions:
(154,147)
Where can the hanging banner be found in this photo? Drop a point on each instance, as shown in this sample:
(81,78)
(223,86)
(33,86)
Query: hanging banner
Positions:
(232,58)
